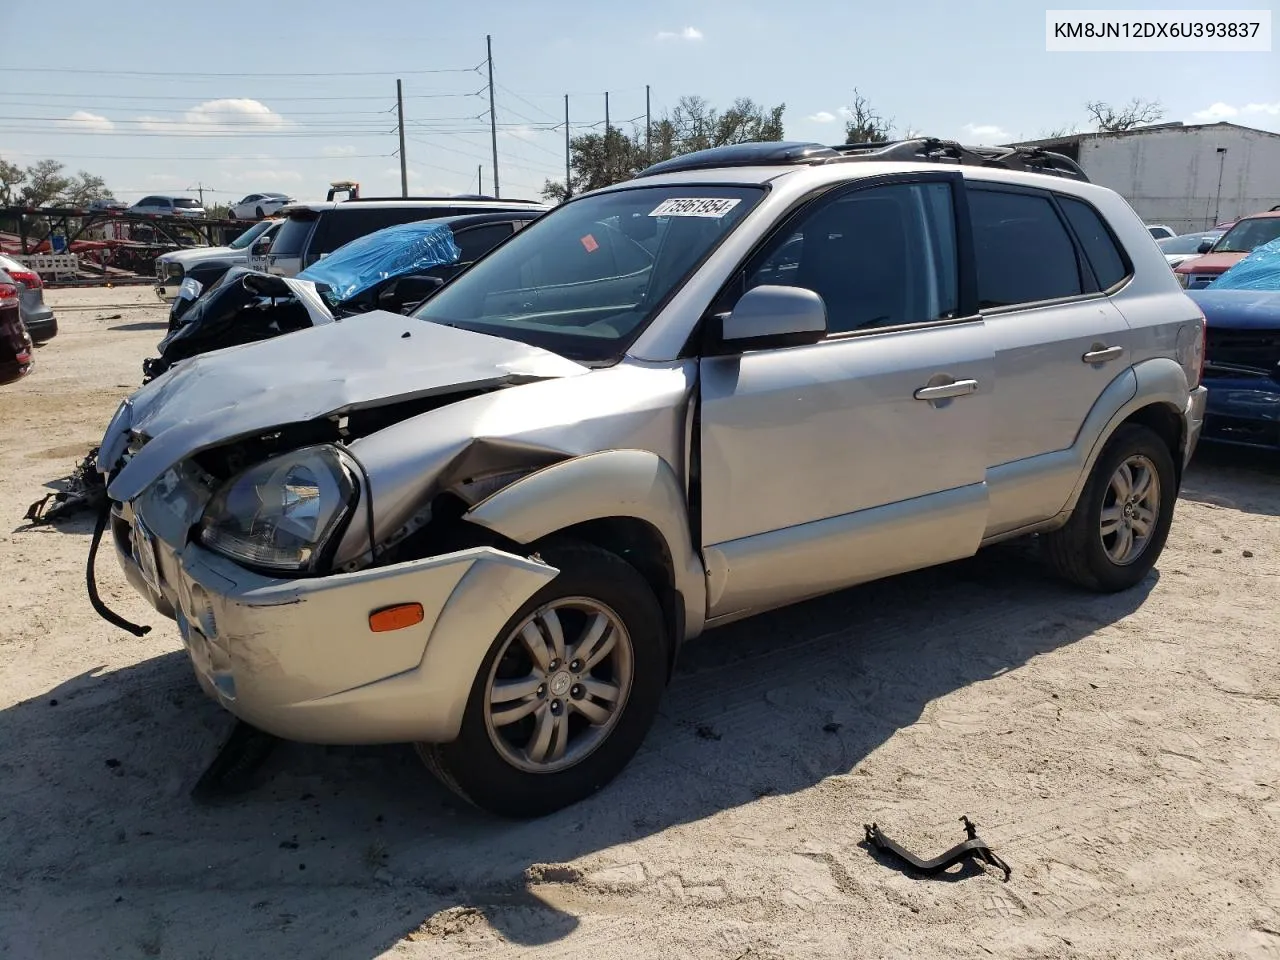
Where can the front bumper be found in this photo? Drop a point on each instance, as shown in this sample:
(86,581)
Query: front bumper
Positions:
(297,658)
(1243,411)
(42,328)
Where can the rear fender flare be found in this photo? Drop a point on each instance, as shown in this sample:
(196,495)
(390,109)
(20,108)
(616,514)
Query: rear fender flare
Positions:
(1159,381)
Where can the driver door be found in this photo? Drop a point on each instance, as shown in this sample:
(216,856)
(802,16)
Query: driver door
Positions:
(864,454)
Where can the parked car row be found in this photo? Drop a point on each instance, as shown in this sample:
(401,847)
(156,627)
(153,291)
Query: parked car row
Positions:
(25,319)
(746,377)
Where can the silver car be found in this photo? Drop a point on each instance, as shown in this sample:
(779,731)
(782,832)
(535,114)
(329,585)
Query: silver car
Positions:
(747,378)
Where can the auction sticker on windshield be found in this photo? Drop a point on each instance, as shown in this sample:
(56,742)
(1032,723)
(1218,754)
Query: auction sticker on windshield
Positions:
(694,207)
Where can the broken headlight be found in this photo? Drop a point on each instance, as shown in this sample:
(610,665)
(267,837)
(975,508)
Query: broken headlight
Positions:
(280,513)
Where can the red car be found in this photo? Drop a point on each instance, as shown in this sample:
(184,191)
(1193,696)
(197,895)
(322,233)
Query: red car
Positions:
(1230,248)
(15,342)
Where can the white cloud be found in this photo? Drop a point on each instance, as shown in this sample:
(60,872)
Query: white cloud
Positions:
(986,134)
(1216,112)
(688,33)
(822,116)
(90,122)
(1219,111)
(336,151)
(220,116)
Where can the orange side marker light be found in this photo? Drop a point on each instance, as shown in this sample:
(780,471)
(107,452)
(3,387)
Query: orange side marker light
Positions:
(395,618)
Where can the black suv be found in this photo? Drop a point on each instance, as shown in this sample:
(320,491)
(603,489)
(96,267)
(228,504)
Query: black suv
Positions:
(312,230)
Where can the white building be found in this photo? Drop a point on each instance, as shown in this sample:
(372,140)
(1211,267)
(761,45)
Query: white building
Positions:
(1188,176)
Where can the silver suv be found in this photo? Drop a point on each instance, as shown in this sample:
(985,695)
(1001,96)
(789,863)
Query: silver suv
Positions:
(745,378)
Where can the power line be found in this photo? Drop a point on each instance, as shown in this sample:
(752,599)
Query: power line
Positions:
(223,157)
(180,74)
(187,97)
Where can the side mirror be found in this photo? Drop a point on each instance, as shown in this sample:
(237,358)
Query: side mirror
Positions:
(1205,246)
(766,317)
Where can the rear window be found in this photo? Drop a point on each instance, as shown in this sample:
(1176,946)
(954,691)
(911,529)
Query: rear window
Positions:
(185,202)
(347,223)
(1109,266)
(291,238)
(1023,250)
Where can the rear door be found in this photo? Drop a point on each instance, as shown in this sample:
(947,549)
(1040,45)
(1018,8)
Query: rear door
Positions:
(1045,262)
(865,454)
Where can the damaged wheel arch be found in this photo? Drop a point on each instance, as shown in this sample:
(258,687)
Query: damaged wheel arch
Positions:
(627,501)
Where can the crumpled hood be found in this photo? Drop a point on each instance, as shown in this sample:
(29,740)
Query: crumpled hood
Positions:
(364,361)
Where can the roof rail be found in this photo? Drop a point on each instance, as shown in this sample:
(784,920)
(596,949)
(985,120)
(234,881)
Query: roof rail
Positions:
(916,150)
(934,150)
(442,199)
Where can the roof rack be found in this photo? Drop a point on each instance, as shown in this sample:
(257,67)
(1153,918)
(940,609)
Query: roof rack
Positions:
(916,150)
(445,199)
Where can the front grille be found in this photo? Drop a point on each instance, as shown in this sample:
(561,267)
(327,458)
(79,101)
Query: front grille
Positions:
(1253,351)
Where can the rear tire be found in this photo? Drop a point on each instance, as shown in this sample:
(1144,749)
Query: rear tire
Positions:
(261,215)
(1120,523)
(592,713)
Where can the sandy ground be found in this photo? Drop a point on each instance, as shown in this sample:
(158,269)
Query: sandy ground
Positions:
(1122,753)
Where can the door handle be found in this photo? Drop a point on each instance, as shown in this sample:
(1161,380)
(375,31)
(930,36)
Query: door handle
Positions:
(1102,354)
(944,391)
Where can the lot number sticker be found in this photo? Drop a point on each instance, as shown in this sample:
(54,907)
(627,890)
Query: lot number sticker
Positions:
(694,207)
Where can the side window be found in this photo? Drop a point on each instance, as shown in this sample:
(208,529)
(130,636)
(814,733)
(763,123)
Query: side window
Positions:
(1108,263)
(879,257)
(475,242)
(1023,251)
(341,226)
(150,202)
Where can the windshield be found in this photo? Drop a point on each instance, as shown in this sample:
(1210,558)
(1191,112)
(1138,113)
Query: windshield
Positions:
(1187,243)
(250,235)
(186,203)
(583,280)
(1247,234)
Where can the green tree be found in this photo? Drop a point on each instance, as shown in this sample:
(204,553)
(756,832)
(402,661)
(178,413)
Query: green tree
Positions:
(864,123)
(46,182)
(599,159)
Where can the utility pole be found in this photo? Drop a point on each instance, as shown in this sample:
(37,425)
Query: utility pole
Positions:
(608,153)
(648,127)
(404,169)
(1217,206)
(493,118)
(568,170)
(480,179)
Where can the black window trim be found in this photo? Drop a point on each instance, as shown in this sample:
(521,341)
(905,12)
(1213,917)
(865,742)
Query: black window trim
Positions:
(1084,269)
(966,269)
(1083,254)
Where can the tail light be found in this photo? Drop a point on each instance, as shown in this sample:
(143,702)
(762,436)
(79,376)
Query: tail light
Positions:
(8,295)
(1191,350)
(28,277)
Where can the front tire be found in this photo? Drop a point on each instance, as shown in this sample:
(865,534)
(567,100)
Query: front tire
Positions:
(260,214)
(231,215)
(1120,524)
(566,693)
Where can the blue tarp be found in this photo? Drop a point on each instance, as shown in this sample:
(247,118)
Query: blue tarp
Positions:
(392,252)
(1260,270)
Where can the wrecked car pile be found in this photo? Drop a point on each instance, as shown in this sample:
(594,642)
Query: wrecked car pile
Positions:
(392,269)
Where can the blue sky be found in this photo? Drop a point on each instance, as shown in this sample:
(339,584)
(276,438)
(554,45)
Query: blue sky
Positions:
(975,72)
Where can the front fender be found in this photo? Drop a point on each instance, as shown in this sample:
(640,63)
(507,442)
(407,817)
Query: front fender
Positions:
(613,483)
